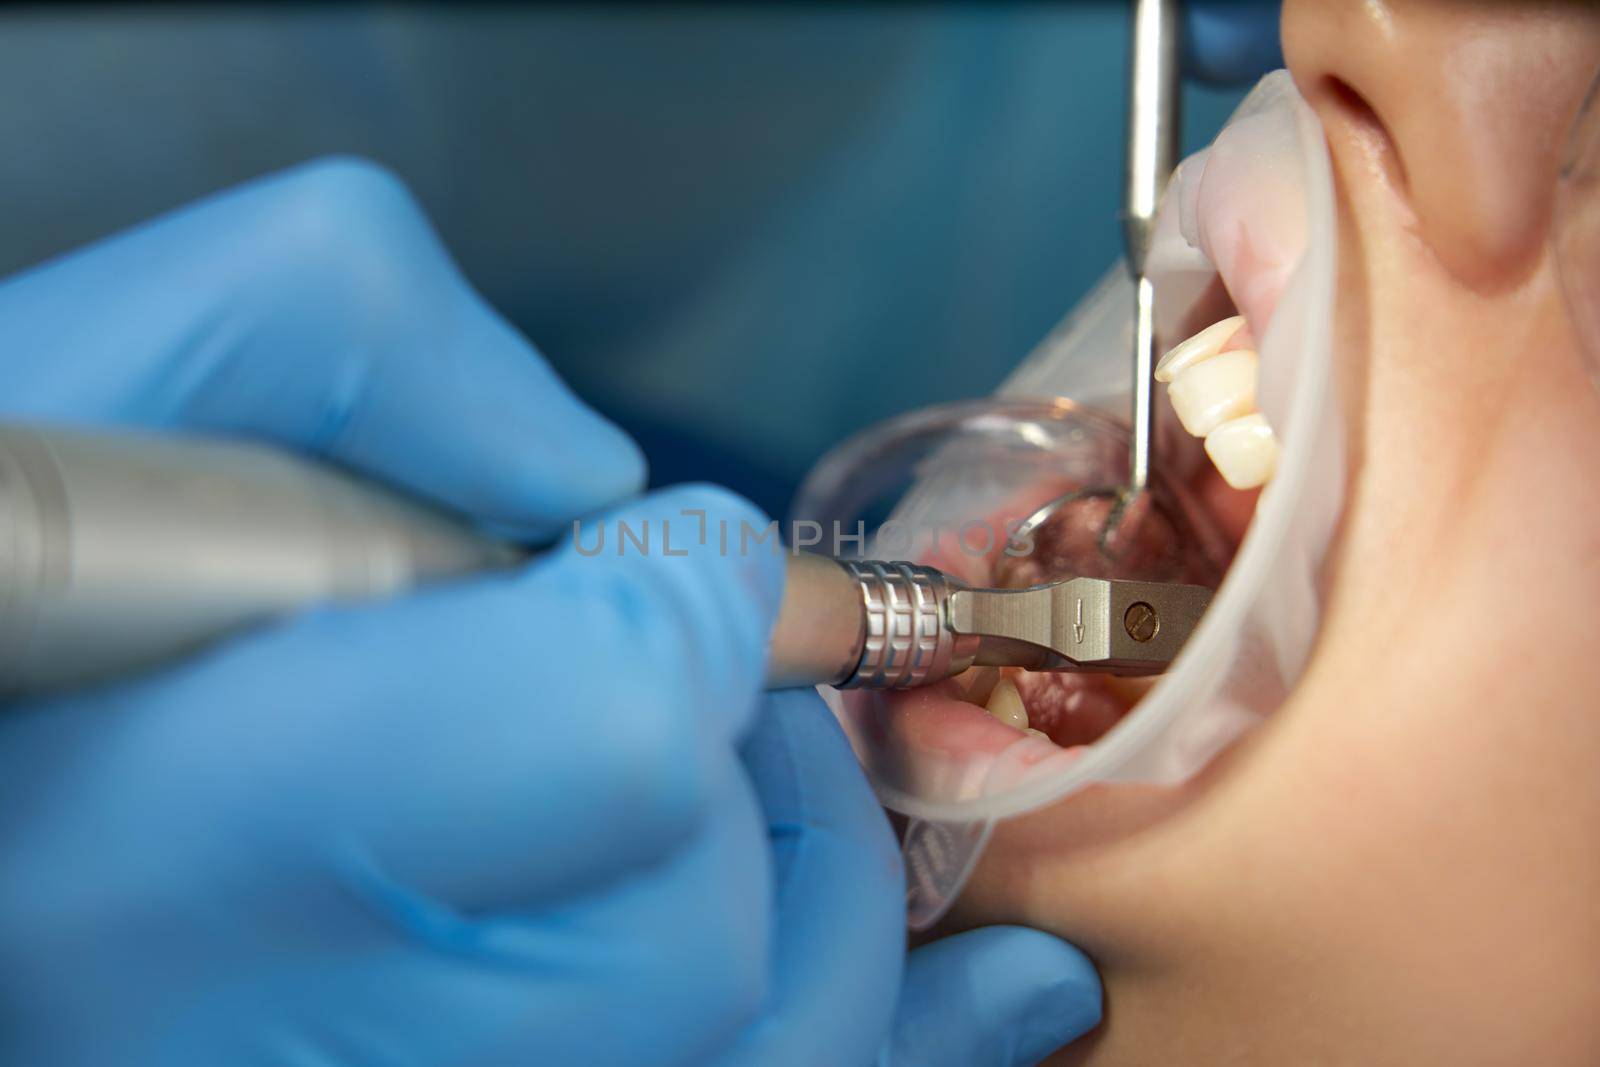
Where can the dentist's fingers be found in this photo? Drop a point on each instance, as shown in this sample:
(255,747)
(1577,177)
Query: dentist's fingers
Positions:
(840,894)
(316,308)
(540,732)
(658,968)
(999,996)
(503,742)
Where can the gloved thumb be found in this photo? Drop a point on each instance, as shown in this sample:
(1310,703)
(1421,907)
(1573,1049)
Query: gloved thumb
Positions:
(999,996)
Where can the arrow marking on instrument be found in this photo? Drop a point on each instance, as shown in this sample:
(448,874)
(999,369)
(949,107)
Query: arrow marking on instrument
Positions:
(1077,628)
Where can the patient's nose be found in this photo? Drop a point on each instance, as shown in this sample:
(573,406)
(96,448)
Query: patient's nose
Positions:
(1462,105)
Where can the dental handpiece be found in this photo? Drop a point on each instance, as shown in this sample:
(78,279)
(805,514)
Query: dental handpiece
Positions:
(120,551)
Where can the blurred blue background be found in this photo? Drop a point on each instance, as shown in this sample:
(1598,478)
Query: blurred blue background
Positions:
(741,231)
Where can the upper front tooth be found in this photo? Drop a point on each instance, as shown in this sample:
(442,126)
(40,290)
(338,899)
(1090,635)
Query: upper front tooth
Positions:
(1207,394)
(1244,450)
(1202,346)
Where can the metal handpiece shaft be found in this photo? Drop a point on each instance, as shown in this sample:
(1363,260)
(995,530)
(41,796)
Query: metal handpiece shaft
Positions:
(1153,131)
(120,551)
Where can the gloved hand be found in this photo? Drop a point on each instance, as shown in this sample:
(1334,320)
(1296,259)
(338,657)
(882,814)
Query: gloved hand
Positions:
(994,997)
(503,821)
(1000,996)
(1231,42)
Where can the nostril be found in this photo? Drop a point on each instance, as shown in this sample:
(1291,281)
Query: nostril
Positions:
(1367,129)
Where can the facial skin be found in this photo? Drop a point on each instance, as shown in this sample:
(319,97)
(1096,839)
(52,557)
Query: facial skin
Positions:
(1403,864)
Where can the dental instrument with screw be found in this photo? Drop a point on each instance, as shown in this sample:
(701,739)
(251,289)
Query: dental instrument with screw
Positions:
(120,551)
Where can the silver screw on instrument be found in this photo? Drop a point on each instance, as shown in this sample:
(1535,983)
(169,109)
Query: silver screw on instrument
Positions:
(1141,621)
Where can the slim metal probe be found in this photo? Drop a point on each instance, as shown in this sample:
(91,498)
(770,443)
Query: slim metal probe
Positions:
(1153,143)
(1154,113)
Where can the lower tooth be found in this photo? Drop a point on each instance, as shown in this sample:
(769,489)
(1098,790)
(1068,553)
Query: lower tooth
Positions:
(978,683)
(1005,704)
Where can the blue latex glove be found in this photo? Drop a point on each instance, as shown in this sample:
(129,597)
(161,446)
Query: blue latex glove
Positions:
(1231,42)
(995,997)
(1001,996)
(503,821)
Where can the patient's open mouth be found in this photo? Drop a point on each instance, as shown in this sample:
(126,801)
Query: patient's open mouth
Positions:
(991,708)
